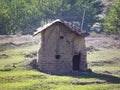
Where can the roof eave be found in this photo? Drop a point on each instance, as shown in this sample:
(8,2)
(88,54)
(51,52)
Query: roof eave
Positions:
(84,34)
(39,30)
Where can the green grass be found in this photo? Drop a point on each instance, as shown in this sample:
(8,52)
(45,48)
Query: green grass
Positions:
(35,80)
(26,78)
(18,85)
(103,54)
(16,55)
(108,60)
(89,87)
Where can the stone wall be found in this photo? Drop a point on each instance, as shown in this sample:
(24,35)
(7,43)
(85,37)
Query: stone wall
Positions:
(59,40)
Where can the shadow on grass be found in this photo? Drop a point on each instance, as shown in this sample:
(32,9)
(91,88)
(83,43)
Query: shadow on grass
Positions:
(89,74)
(107,78)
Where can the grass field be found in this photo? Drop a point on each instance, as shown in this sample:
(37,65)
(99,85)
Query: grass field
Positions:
(103,59)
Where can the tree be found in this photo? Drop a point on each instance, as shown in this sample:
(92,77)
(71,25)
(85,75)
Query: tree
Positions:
(26,15)
(112,20)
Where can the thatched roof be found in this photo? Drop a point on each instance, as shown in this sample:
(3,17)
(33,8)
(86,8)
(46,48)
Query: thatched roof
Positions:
(72,27)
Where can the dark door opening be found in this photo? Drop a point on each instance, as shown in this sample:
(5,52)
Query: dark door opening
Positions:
(76,62)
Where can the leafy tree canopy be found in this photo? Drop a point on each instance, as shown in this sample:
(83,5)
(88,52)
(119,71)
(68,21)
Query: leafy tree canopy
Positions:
(26,15)
(112,20)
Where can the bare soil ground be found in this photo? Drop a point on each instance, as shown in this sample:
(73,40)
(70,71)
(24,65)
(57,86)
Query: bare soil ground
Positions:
(103,41)
(13,41)
(92,41)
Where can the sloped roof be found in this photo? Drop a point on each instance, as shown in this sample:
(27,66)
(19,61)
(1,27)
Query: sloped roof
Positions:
(72,27)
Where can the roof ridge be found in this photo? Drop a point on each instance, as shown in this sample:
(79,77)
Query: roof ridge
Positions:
(67,24)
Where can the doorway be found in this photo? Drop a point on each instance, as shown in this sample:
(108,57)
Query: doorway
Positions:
(76,62)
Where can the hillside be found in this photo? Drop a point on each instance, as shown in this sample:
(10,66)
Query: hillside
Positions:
(107,4)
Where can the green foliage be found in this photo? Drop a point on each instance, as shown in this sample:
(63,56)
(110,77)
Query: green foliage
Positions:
(26,15)
(35,80)
(112,20)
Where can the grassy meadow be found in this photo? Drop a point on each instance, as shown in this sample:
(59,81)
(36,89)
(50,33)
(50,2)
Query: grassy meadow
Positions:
(103,55)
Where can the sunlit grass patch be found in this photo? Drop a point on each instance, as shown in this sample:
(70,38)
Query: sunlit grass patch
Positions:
(19,85)
(20,73)
(111,70)
(35,80)
(103,54)
(89,87)
(21,79)
(16,55)
(105,61)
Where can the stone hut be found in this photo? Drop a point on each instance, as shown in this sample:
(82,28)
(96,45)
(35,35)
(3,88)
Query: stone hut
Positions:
(62,48)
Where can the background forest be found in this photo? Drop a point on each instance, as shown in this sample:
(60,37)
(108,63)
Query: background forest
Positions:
(24,16)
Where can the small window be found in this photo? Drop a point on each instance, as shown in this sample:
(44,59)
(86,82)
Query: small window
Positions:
(57,56)
(61,37)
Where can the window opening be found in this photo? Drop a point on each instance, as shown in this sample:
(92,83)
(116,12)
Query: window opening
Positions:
(57,56)
(61,37)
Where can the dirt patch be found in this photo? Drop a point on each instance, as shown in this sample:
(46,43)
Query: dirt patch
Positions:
(112,61)
(107,72)
(3,56)
(33,63)
(4,70)
(118,72)
(31,60)
(91,49)
(102,41)
(13,41)
(6,46)
(86,83)
(96,64)
(102,63)
(31,55)
(11,45)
